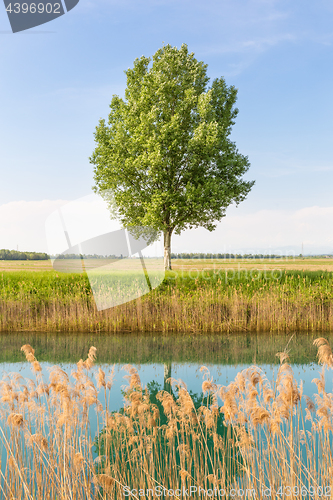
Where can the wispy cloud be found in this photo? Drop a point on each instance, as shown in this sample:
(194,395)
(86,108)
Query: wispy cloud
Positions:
(264,230)
(22,223)
(252,45)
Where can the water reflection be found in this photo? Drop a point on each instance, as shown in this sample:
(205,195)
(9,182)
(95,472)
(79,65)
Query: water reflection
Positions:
(160,373)
(159,359)
(227,349)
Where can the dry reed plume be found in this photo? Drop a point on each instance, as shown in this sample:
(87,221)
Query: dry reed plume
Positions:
(250,435)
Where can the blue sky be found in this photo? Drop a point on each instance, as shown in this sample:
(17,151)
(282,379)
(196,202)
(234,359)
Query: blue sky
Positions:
(57,80)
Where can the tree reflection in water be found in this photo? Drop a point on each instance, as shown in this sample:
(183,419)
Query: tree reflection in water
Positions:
(168,436)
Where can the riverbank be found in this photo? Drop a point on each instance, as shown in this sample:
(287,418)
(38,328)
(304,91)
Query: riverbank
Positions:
(196,301)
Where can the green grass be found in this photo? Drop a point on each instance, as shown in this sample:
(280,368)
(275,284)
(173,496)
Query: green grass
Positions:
(192,301)
(250,282)
(43,286)
(46,285)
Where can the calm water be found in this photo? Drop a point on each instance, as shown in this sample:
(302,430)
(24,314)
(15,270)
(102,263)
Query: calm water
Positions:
(156,357)
(180,357)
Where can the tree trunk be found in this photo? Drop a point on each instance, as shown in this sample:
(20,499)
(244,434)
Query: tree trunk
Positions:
(167,250)
(167,376)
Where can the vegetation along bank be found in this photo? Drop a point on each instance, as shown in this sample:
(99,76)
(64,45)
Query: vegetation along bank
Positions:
(207,301)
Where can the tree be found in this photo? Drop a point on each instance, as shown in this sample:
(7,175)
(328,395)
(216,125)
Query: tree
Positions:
(166,153)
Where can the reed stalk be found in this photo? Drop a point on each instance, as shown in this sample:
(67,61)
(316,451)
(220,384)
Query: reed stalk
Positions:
(262,437)
(296,301)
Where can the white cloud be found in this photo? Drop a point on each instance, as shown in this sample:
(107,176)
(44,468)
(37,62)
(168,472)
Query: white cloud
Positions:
(265,230)
(22,223)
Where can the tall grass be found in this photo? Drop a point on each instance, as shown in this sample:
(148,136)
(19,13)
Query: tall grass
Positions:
(277,442)
(203,301)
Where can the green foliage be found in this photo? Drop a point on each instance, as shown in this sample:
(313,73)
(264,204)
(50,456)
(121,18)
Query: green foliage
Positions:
(16,255)
(165,153)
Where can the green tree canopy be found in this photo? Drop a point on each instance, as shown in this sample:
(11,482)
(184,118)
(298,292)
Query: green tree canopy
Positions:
(166,152)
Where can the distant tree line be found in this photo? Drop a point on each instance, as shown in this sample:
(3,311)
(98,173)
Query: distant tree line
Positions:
(16,255)
(82,256)
(225,256)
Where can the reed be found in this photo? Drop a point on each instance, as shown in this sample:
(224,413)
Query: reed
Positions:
(208,302)
(275,441)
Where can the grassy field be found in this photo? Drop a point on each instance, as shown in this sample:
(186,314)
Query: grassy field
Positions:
(25,265)
(306,264)
(190,300)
